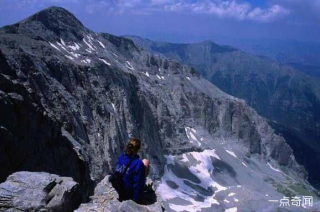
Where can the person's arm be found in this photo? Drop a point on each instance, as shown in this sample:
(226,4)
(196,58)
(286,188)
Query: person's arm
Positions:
(138,182)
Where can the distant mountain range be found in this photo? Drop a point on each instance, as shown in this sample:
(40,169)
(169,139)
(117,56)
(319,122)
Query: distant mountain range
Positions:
(289,98)
(304,56)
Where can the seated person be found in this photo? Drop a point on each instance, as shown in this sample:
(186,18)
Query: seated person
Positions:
(133,172)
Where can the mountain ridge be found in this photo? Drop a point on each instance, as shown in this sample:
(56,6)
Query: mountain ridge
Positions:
(302,55)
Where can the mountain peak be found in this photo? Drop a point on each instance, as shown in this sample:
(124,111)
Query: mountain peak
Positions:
(52,22)
(52,15)
(54,9)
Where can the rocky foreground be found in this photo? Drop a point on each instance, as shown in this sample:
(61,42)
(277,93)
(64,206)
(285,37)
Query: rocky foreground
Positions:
(105,199)
(40,191)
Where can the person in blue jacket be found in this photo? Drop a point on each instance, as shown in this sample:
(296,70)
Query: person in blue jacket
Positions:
(133,170)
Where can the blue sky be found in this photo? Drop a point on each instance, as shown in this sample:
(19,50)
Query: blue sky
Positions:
(185,20)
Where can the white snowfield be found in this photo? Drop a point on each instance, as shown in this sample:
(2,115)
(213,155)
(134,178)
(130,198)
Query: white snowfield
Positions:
(202,170)
(219,179)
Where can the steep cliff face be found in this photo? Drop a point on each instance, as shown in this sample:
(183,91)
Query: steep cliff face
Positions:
(32,139)
(71,98)
(288,98)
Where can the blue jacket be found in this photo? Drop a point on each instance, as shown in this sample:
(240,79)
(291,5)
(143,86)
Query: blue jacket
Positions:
(135,177)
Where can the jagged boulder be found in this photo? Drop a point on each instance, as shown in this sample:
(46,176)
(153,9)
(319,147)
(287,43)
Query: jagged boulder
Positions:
(105,198)
(39,191)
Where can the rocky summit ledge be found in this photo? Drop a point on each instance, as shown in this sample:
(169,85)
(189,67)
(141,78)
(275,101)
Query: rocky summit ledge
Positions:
(39,191)
(105,199)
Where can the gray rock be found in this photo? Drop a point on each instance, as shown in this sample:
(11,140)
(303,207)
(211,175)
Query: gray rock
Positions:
(105,198)
(39,191)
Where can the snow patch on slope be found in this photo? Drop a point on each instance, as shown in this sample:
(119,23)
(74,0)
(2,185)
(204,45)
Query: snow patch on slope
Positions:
(84,40)
(105,62)
(62,46)
(101,44)
(192,135)
(184,187)
(69,57)
(129,66)
(231,153)
(62,42)
(231,194)
(74,47)
(54,46)
(277,170)
(231,209)
(114,107)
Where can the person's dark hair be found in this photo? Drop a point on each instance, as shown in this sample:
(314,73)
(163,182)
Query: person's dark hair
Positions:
(133,146)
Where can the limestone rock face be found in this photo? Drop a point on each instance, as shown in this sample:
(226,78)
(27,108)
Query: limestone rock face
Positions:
(105,199)
(39,191)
